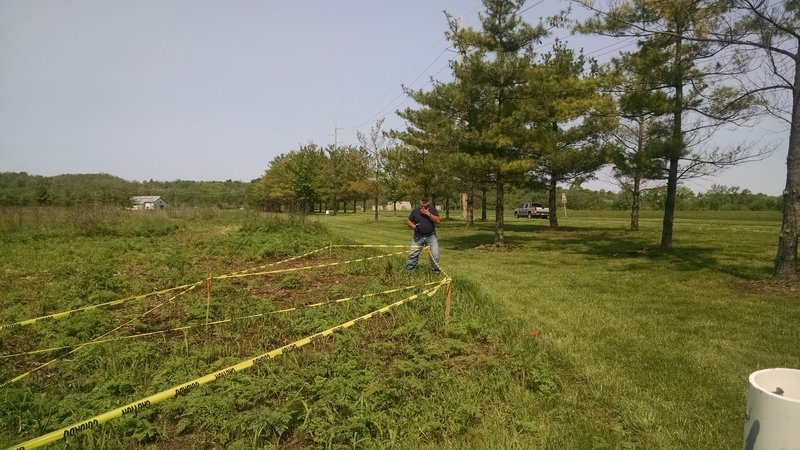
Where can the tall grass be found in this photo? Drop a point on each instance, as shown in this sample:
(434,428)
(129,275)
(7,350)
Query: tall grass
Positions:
(396,380)
(84,221)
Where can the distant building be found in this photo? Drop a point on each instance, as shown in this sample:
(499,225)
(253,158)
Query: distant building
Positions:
(401,206)
(148,202)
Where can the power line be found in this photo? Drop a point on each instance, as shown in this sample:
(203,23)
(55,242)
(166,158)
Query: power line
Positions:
(389,105)
(407,99)
(402,77)
(618,46)
(394,101)
(532,6)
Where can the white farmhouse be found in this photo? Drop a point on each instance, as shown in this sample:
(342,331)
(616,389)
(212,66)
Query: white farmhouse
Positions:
(148,202)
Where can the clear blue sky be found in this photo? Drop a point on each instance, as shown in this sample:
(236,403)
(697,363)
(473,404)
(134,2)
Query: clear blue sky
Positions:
(214,90)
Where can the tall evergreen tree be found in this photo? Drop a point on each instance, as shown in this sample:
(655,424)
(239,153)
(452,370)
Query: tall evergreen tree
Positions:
(480,113)
(642,133)
(574,116)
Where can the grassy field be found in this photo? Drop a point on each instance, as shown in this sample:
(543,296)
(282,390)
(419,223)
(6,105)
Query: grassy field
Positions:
(636,348)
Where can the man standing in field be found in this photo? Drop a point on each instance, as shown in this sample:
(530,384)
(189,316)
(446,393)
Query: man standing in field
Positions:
(423,220)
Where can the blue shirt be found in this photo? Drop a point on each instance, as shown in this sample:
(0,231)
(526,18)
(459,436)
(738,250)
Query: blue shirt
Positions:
(426,226)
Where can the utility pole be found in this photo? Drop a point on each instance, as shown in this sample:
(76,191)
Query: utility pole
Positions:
(336,136)
(466,197)
(462,53)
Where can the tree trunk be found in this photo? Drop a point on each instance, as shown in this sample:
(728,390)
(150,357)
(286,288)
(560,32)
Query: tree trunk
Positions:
(637,198)
(377,187)
(669,203)
(470,210)
(637,179)
(675,153)
(499,223)
(483,204)
(447,207)
(786,257)
(551,203)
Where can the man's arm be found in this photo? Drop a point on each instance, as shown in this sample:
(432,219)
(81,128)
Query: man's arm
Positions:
(434,217)
(411,224)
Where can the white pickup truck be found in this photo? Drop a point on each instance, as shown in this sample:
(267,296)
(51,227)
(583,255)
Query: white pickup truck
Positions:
(531,210)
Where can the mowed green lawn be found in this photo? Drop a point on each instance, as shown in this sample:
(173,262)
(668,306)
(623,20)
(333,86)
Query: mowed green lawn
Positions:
(650,349)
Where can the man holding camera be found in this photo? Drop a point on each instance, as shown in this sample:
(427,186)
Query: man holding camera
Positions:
(423,220)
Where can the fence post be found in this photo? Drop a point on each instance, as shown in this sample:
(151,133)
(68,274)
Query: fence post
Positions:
(208,298)
(447,305)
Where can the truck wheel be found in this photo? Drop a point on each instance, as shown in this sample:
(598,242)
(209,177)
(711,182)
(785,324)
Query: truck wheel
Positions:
(530,216)
(516,216)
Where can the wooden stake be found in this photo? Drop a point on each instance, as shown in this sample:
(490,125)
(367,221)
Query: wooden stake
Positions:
(447,306)
(208,297)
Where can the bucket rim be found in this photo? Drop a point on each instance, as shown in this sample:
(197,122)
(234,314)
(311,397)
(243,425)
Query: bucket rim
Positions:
(755,374)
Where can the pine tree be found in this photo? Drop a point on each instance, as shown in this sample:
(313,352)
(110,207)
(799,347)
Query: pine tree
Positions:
(481,113)
(572,118)
(692,76)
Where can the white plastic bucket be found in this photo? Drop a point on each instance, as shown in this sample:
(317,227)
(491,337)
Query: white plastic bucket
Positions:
(773,410)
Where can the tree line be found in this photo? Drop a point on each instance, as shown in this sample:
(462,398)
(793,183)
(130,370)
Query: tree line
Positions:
(22,189)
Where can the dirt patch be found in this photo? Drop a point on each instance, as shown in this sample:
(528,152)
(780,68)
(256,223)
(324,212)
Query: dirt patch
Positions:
(769,287)
(497,248)
(642,252)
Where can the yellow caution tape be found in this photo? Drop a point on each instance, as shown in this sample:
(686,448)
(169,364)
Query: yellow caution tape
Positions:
(372,245)
(345,299)
(436,263)
(242,273)
(296,269)
(188,288)
(64,314)
(281,262)
(183,389)
(42,366)
(218,322)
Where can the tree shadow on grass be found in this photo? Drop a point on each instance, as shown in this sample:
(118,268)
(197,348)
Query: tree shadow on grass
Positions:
(481,234)
(467,242)
(603,243)
(697,258)
(545,227)
(608,245)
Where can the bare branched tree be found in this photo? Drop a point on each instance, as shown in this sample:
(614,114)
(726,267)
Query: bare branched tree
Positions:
(374,144)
